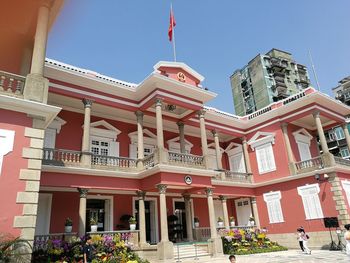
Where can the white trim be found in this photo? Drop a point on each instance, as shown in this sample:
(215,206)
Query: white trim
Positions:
(211,146)
(151,140)
(346,187)
(267,137)
(233,145)
(273,203)
(7,138)
(57,124)
(302,135)
(48,212)
(316,205)
(154,221)
(111,131)
(111,210)
(170,64)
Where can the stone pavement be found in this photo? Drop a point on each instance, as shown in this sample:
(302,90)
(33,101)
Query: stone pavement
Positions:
(295,256)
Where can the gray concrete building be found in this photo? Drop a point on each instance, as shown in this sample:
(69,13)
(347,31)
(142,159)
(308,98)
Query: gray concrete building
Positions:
(266,79)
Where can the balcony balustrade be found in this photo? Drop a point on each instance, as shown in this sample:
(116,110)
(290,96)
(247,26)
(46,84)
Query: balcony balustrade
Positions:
(112,162)
(59,157)
(149,161)
(11,84)
(185,159)
(309,165)
(341,161)
(234,177)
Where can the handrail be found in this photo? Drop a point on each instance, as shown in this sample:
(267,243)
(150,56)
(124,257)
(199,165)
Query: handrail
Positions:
(61,155)
(148,161)
(341,161)
(113,161)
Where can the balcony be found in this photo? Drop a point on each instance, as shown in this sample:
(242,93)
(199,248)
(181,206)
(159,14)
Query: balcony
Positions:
(309,165)
(11,84)
(188,160)
(232,176)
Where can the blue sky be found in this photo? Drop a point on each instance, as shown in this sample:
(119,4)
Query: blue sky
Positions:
(124,39)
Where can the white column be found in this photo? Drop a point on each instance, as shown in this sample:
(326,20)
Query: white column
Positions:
(246,155)
(217,149)
(181,126)
(320,132)
(40,40)
(255,211)
(159,120)
(82,210)
(189,226)
(163,213)
(223,200)
(142,218)
(291,160)
(347,136)
(165,248)
(211,212)
(85,146)
(140,147)
(203,136)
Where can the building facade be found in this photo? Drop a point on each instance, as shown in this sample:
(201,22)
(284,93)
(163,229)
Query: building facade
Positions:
(78,144)
(267,79)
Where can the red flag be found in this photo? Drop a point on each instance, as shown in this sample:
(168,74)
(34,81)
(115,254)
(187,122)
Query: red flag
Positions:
(171,25)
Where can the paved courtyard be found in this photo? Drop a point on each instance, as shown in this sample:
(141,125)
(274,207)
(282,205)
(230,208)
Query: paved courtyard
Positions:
(319,256)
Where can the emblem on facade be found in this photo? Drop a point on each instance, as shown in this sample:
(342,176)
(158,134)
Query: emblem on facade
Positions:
(181,77)
(188,179)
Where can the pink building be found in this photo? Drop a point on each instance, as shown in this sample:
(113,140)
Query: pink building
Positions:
(75,143)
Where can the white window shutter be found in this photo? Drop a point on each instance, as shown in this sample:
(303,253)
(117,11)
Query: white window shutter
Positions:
(270,157)
(259,157)
(270,211)
(133,151)
(114,149)
(274,209)
(304,151)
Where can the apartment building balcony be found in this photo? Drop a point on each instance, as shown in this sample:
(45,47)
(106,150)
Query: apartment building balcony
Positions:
(320,162)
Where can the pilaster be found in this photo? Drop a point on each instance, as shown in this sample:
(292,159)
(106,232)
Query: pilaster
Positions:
(83,192)
(85,146)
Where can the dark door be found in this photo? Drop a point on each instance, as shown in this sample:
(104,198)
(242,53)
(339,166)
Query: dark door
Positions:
(147,217)
(180,212)
(95,209)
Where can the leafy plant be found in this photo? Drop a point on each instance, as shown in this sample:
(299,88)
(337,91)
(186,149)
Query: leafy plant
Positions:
(251,219)
(232,219)
(68,222)
(220,219)
(14,249)
(93,221)
(132,220)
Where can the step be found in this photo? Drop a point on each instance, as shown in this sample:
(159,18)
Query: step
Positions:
(188,251)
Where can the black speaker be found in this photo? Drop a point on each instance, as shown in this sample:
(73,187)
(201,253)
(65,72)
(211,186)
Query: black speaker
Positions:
(331,222)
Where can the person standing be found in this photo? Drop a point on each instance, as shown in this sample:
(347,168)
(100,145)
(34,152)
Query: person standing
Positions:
(300,239)
(347,239)
(305,238)
(88,250)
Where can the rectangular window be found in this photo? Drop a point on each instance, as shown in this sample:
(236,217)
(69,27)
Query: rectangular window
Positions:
(237,163)
(311,201)
(265,158)
(344,151)
(274,209)
(339,133)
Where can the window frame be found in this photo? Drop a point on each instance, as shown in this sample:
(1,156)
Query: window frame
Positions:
(272,199)
(307,198)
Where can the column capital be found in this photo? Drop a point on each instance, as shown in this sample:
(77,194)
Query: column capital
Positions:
(87,103)
(187,197)
(83,192)
(139,114)
(253,200)
(159,101)
(316,114)
(201,113)
(209,192)
(222,198)
(180,124)
(162,188)
(244,139)
(284,125)
(215,133)
(47,3)
(141,194)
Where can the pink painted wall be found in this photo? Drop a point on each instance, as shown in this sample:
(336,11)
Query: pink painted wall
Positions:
(12,164)
(280,155)
(292,206)
(200,207)
(122,206)
(172,73)
(60,211)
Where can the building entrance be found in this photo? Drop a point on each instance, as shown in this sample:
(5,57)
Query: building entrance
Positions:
(95,209)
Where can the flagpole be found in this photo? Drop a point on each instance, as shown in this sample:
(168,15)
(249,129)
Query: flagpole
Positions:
(173,31)
(314,71)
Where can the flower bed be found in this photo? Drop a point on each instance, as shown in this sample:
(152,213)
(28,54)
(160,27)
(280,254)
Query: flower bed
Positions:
(107,248)
(250,241)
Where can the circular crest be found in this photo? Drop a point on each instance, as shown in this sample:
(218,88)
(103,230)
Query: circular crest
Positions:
(188,179)
(181,77)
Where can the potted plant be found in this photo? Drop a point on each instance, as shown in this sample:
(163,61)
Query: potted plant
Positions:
(252,221)
(232,221)
(220,222)
(93,225)
(68,225)
(196,222)
(132,222)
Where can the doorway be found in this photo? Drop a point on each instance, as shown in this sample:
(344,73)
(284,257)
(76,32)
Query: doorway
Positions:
(99,208)
(150,217)
(244,211)
(180,226)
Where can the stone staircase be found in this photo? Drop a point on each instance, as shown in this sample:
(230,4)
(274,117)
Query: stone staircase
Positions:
(190,250)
